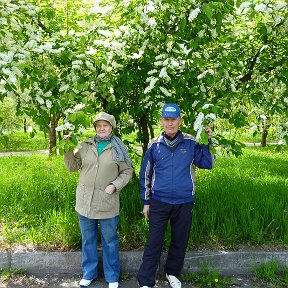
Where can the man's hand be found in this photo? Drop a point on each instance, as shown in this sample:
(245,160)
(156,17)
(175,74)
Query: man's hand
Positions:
(146,210)
(110,189)
(208,131)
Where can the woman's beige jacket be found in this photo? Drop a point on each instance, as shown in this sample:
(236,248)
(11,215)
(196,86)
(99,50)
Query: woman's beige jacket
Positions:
(96,173)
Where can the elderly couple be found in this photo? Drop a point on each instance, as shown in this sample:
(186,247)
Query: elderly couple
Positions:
(167,191)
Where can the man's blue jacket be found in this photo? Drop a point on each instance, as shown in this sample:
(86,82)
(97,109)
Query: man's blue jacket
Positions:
(168,175)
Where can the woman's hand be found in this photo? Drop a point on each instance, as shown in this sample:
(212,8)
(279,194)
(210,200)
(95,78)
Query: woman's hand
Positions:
(67,136)
(110,189)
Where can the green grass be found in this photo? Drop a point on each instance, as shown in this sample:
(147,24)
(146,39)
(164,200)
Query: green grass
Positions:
(20,141)
(242,201)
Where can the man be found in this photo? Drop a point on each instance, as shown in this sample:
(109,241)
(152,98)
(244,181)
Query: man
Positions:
(167,190)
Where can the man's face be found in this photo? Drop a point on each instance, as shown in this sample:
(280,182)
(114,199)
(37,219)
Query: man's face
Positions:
(171,125)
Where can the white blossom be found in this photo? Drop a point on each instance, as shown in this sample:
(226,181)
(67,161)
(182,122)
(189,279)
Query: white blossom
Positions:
(206,106)
(30,129)
(280,5)
(260,8)
(68,126)
(211,117)
(78,107)
(76,67)
(90,65)
(198,121)
(6,71)
(201,33)
(47,94)
(105,33)
(195,103)
(68,111)
(77,62)
(198,135)
(193,14)
(48,104)
(82,129)
(202,88)
(102,75)
(64,87)
(147,90)
(233,88)
(158,63)
(152,22)
(5,132)
(152,83)
(214,33)
(137,55)
(165,91)
(163,74)
(245,5)
(7,57)
(91,51)
(39,100)
(152,72)
(279,19)
(150,7)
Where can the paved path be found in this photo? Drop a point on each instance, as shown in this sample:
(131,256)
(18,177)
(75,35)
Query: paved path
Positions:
(54,281)
(20,153)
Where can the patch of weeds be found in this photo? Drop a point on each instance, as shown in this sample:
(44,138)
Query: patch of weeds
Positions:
(273,272)
(124,276)
(266,271)
(6,274)
(208,278)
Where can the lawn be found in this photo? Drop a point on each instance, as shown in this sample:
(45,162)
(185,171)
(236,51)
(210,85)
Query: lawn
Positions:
(242,201)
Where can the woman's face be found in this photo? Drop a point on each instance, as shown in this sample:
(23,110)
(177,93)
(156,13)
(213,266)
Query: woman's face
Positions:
(103,128)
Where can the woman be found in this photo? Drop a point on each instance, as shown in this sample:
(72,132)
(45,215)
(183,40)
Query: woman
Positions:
(105,168)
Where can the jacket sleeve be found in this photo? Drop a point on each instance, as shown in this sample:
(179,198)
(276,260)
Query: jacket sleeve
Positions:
(72,161)
(146,174)
(124,176)
(203,157)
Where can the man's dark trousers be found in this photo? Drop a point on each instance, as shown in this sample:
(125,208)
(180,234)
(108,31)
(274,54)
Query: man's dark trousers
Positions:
(180,216)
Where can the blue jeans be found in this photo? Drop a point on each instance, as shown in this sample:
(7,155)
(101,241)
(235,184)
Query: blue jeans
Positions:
(110,247)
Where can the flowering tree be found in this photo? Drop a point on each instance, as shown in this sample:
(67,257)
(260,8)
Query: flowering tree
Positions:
(42,60)
(66,60)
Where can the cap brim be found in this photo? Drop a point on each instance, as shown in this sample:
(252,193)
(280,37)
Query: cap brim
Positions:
(170,115)
(98,119)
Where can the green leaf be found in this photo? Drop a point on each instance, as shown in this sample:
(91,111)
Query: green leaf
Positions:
(74,140)
(208,10)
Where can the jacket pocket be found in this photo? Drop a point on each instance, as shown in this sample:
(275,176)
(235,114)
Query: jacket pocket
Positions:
(108,202)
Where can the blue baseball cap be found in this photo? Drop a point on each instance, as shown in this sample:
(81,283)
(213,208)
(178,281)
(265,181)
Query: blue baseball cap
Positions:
(170,110)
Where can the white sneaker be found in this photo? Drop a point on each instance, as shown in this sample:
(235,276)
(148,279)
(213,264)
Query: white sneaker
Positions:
(173,281)
(113,285)
(145,287)
(85,282)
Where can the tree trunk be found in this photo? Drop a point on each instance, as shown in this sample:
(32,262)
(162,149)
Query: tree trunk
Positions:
(52,134)
(151,130)
(264,138)
(143,124)
(25,125)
